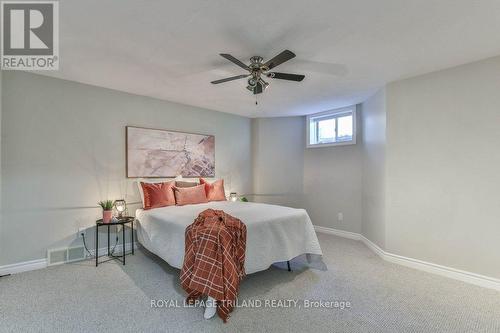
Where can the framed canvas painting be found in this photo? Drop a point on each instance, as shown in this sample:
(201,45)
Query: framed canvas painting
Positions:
(155,153)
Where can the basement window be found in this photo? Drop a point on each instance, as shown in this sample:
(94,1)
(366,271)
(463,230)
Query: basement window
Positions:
(332,128)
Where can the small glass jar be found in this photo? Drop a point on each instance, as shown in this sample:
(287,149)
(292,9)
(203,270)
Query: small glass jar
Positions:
(120,206)
(233,197)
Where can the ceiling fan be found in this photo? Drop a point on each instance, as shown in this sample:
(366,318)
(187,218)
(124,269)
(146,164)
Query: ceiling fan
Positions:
(257,69)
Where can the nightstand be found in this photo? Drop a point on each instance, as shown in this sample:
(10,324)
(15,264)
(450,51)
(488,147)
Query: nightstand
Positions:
(117,221)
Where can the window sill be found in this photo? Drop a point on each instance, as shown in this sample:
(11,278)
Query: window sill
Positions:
(333,144)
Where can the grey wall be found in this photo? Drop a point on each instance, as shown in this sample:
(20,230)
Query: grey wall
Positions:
(325,181)
(278,160)
(373,176)
(332,184)
(422,182)
(63,149)
(1,220)
(443,162)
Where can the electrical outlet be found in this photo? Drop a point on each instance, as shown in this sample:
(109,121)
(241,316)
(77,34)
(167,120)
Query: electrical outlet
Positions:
(81,230)
(340,217)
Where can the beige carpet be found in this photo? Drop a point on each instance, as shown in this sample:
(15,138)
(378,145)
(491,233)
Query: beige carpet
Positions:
(384,298)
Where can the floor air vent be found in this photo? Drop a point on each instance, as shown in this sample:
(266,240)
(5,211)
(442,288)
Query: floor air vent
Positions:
(64,255)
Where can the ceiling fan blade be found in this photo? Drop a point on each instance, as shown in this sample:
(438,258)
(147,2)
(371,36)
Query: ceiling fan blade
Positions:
(257,89)
(230,79)
(279,59)
(235,61)
(286,76)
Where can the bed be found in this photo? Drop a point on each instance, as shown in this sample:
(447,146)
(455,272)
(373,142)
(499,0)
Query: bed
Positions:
(274,233)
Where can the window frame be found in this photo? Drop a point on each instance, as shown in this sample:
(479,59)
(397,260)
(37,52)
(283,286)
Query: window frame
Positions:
(332,114)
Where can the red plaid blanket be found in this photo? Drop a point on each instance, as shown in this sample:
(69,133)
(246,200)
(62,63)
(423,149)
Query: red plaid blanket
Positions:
(214,259)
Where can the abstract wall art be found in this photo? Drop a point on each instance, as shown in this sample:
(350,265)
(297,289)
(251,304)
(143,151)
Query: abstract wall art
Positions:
(154,153)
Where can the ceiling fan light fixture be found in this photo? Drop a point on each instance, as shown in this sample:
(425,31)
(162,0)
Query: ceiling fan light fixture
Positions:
(259,68)
(263,83)
(252,82)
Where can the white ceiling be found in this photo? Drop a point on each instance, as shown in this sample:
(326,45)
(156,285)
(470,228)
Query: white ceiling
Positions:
(346,48)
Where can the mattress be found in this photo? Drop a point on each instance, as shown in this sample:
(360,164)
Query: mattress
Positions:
(274,233)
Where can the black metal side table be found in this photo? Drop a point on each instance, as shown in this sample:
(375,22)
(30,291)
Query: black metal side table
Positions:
(118,221)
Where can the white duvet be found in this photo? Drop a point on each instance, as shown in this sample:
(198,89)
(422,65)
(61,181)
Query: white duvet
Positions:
(274,233)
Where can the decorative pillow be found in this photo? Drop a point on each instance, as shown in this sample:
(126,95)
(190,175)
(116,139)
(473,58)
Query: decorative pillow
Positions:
(190,195)
(158,194)
(149,181)
(185,184)
(215,190)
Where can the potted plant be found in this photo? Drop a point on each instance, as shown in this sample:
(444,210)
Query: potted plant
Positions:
(107,210)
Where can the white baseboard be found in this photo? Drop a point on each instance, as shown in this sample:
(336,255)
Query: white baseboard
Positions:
(42,263)
(23,266)
(453,273)
(457,274)
(118,249)
(337,232)
(374,247)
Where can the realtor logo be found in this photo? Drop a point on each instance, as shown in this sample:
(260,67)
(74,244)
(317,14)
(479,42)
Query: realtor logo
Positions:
(30,35)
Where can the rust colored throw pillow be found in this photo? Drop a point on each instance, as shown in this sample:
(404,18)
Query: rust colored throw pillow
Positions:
(158,194)
(215,190)
(190,195)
